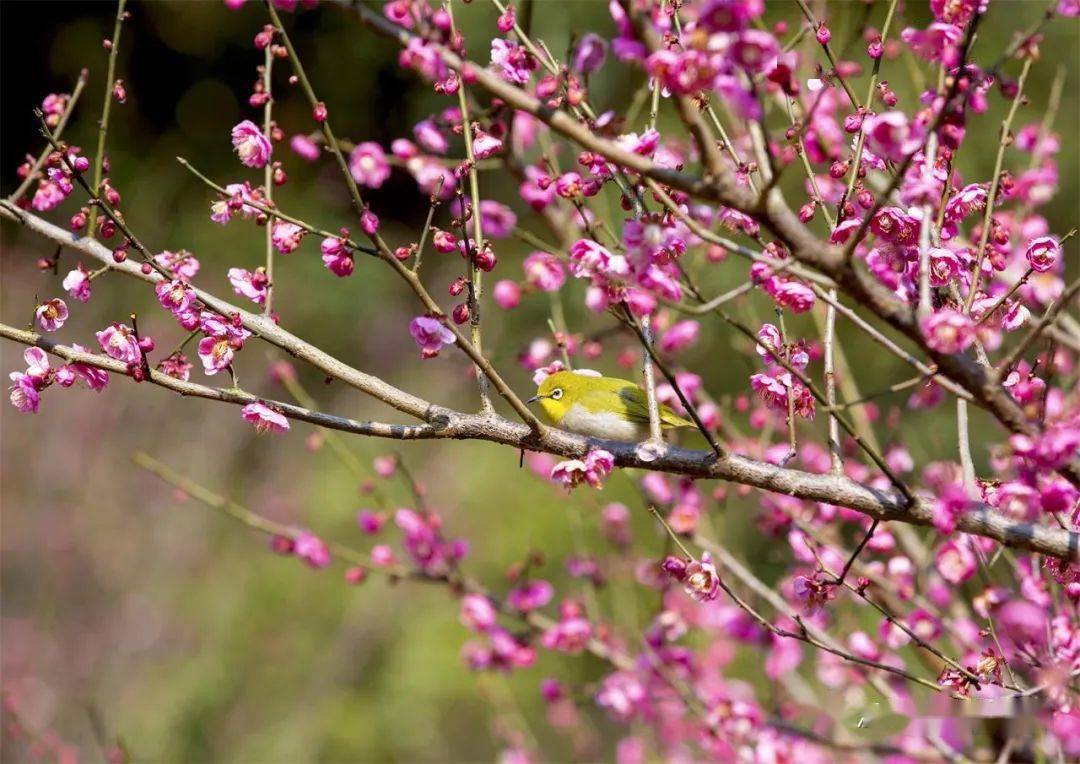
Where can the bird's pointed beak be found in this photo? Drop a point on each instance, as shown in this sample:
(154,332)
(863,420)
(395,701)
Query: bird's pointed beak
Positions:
(534,399)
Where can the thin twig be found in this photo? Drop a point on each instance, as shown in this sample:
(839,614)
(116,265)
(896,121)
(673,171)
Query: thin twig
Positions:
(476,277)
(995,183)
(268,177)
(103,124)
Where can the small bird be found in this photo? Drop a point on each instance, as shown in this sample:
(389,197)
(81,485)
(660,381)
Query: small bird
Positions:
(603,407)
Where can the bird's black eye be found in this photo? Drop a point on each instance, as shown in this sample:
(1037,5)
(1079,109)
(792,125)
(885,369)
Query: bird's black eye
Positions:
(556,394)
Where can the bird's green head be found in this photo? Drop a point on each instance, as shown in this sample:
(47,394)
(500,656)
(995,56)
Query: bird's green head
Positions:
(558,392)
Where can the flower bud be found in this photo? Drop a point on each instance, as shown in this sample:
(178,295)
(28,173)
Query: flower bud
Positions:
(485,259)
(265,37)
(506,20)
(853,122)
(369,222)
(547,86)
(674,567)
(444,241)
(355,575)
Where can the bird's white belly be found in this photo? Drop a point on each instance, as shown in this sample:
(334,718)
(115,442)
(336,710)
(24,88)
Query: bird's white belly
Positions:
(599,424)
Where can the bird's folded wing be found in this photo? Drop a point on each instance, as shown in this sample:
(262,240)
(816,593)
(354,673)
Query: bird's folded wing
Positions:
(637,404)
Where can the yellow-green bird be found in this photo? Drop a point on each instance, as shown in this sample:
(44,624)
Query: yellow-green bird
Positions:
(603,407)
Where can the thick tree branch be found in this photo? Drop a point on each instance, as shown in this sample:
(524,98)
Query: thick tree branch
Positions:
(449,424)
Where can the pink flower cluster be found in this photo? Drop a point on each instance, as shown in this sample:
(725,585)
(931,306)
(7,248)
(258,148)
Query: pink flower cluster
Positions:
(26,386)
(500,649)
(777,386)
(593,469)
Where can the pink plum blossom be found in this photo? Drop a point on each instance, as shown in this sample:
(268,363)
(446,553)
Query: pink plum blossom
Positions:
(948,331)
(253,148)
(590,53)
(890,135)
(621,694)
(701,581)
(429,136)
(796,297)
(337,256)
(265,419)
(498,219)
(430,335)
(182,264)
(286,237)
(569,635)
(530,596)
(51,314)
(477,612)
(368,165)
(119,342)
(589,259)
(216,353)
(485,145)
(304,147)
(680,336)
(23,393)
(252,285)
(513,62)
(507,294)
(309,547)
(944,266)
(596,466)
(1042,253)
(544,272)
(934,43)
(955,561)
(175,296)
(77,284)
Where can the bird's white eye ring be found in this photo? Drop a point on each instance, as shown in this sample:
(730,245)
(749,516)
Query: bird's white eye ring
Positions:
(556,394)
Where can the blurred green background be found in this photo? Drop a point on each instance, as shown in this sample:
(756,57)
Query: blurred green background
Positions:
(175,626)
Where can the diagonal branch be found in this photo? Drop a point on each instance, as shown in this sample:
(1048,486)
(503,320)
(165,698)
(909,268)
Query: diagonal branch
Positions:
(234,396)
(831,489)
(259,325)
